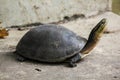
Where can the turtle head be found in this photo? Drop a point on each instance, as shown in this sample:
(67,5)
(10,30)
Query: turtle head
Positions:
(98,30)
(94,36)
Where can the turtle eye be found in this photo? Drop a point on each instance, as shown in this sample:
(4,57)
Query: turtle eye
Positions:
(103,21)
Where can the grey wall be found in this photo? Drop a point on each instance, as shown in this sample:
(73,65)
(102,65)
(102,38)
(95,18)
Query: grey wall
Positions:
(18,12)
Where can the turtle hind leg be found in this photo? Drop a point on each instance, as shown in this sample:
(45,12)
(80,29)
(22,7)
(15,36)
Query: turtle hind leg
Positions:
(19,58)
(73,60)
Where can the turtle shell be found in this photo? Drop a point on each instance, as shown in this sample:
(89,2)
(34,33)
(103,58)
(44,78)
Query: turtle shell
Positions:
(50,43)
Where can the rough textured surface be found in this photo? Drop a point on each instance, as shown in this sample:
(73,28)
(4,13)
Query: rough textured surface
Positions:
(102,64)
(17,12)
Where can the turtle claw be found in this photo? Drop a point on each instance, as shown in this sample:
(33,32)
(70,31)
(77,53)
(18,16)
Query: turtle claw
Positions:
(71,64)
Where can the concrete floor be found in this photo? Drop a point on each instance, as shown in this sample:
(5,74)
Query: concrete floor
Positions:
(102,64)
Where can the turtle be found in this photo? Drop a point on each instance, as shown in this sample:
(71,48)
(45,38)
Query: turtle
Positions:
(53,43)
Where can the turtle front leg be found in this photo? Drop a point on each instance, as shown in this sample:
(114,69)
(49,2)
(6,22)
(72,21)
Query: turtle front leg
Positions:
(73,60)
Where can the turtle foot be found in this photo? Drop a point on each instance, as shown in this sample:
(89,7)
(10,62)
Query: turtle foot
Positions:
(71,64)
(73,60)
(20,58)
